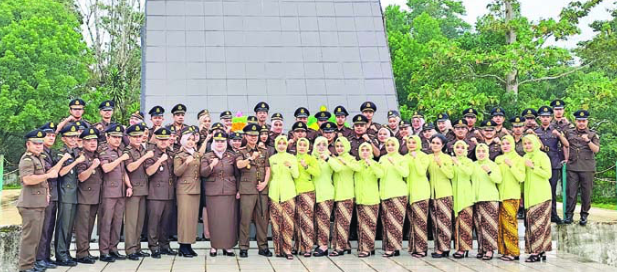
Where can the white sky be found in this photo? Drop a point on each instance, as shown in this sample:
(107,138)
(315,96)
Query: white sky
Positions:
(535,10)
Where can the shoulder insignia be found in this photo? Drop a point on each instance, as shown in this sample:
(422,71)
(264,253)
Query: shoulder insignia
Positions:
(27,159)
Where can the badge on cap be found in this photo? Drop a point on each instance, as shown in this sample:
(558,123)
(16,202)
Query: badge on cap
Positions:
(40,134)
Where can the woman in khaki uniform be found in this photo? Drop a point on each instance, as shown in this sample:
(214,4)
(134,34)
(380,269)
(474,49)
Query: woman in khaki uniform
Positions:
(219,170)
(188,186)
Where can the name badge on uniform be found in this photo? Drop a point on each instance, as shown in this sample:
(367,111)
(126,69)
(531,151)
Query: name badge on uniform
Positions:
(161,168)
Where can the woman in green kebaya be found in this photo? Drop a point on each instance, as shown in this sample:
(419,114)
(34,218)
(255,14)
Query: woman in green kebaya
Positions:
(486,175)
(305,201)
(324,195)
(367,199)
(441,172)
(393,192)
(344,165)
(419,192)
(464,198)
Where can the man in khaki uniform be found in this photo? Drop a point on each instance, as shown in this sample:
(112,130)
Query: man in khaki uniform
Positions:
(135,213)
(33,199)
(254,166)
(584,145)
(160,194)
(115,181)
(43,257)
(90,178)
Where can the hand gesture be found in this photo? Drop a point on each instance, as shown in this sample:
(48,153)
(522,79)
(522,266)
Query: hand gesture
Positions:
(238,195)
(70,118)
(486,168)
(456,161)
(261,186)
(585,137)
(340,135)
(303,163)
(124,157)
(497,140)
(164,157)
(324,156)
(556,133)
(287,163)
(368,161)
(508,162)
(189,159)
(414,154)
(80,159)
(255,155)
(366,137)
(474,140)
(66,156)
(391,160)
(96,163)
(214,162)
(149,154)
(438,160)
(530,131)
(52,173)
(529,163)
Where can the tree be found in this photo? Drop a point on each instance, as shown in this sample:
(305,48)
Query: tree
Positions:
(43,62)
(113,31)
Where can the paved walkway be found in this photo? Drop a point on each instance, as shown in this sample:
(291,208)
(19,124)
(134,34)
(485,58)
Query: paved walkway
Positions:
(556,262)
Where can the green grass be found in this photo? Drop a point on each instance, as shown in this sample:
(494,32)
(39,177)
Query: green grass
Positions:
(11,186)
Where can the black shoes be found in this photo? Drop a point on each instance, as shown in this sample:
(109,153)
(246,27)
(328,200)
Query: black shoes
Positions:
(265,252)
(107,258)
(86,260)
(66,262)
(185,251)
(156,254)
(117,255)
(583,221)
(556,219)
(134,257)
(40,265)
(244,253)
(228,253)
(320,252)
(142,253)
(47,264)
(168,251)
(569,219)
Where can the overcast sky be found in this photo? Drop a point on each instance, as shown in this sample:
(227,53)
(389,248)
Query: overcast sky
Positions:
(535,10)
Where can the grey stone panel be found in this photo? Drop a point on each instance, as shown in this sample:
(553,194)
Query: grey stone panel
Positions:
(231,54)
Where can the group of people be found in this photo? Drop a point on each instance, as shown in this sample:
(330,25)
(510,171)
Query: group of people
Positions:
(448,179)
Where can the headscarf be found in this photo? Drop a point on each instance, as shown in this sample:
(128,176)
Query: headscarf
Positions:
(486,149)
(418,141)
(308,146)
(274,122)
(319,140)
(219,153)
(346,148)
(396,146)
(536,145)
(183,141)
(511,154)
(386,129)
(464,144)
(276,143)
(370,147)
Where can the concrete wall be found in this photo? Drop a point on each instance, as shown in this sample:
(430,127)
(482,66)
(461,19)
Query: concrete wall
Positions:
(9,247)
(230,54)
(597,241)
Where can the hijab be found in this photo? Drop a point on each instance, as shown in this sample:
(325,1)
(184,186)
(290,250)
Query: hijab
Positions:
(184,140)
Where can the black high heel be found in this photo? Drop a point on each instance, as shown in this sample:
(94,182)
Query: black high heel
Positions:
(440,255)
(320,253)
(212,253)
(229,253)
(487,258)
(458,255)
(397,253)
(386,255)
(184,252)
(190,249)
(533,258)
(419,254)
(348,251)
(542,256)
(335,253)
(364,254)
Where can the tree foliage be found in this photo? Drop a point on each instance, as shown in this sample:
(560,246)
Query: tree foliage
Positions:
(43,62)
(505,61)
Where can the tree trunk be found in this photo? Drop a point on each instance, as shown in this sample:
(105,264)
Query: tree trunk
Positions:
(511,77)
